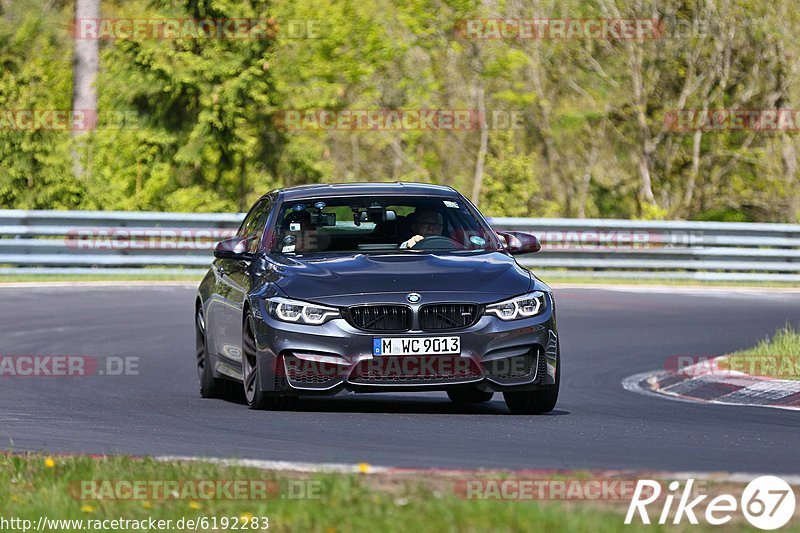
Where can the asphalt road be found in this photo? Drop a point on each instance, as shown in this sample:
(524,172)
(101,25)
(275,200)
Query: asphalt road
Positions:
(606,336)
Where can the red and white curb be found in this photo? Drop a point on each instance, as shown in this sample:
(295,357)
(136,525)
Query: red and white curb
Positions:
(710,384)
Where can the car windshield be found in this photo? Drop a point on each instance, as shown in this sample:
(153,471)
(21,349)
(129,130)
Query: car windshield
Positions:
(361,224)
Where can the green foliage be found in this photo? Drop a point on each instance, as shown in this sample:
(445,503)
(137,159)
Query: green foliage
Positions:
(201,132)
(35,164)
(202,140)
(653,212)
(33,486)
(722,215)
(510,184)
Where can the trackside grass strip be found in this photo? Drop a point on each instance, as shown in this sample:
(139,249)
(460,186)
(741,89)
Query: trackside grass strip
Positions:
(35,486)
(777,356)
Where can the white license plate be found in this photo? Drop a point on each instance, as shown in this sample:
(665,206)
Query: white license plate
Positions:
(416,346)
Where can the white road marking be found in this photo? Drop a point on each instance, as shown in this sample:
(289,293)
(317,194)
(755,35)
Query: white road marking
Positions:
(737,477)
(340,468)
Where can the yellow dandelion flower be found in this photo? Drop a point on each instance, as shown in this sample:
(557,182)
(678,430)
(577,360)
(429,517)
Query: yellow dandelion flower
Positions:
(87,508)
(49,462)
(246,517)
(147,505)
(194,505)
(364,468)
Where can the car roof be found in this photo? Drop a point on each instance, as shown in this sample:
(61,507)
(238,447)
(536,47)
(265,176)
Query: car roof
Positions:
(360,189)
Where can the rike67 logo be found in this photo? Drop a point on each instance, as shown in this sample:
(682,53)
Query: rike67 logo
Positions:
(767,502)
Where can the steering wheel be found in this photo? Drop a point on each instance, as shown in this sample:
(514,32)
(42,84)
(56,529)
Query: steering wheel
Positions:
(438,242)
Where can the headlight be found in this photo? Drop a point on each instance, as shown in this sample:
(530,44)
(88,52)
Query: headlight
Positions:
(301,312)
(525,306)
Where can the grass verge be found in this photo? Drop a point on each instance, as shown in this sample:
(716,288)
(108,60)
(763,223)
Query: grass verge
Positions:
(34,486)
(777,356)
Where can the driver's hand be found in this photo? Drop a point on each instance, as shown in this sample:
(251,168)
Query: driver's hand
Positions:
(412,241)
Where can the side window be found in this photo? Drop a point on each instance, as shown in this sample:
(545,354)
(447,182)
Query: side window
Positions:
(248,220)
(253,225)
(259,224)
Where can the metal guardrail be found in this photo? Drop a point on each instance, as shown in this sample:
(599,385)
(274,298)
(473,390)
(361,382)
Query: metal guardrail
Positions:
(86,242)
(724,251)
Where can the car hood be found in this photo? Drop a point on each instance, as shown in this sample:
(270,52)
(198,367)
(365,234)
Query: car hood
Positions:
(485,277)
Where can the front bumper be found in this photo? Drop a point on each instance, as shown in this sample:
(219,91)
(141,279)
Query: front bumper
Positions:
(495,356)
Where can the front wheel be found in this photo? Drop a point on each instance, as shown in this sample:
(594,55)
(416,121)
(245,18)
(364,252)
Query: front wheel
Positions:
(257,398)
(210,387)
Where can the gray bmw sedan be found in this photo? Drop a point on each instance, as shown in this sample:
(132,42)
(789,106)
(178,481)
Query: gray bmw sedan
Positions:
(375,287)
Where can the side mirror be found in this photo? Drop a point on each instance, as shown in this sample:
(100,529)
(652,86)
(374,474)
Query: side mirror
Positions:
(518,242)
(233,248)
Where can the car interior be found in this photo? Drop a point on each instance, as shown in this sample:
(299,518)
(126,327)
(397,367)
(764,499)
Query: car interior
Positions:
(370,229)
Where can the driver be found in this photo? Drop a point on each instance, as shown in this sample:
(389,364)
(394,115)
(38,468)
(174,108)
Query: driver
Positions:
(427,223)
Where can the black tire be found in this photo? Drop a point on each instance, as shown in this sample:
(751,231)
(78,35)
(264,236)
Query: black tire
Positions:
(255,397)
(535,402)
(210,387)
(469,396)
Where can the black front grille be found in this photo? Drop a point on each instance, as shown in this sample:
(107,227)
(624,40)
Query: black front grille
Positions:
(381,317)
(438,317)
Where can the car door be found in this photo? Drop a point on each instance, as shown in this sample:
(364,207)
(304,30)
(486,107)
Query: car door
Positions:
(232,282)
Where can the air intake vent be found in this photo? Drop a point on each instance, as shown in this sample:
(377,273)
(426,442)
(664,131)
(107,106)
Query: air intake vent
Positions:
(381,317)
(440,317)
(513,368)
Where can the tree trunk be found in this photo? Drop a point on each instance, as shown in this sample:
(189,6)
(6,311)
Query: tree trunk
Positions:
(85,66)
(646,189)
(242,184)
(355,150)
(790,176)
(477,180)
(694,174)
